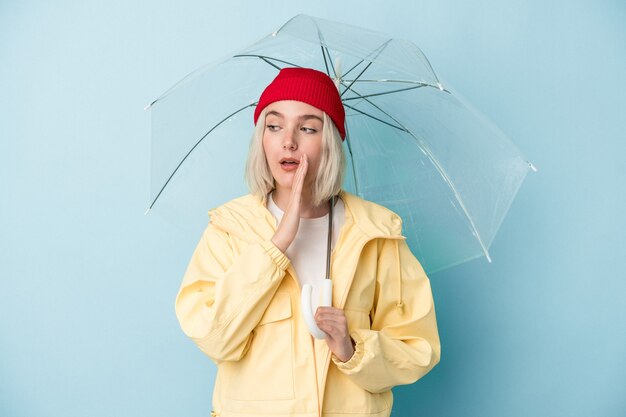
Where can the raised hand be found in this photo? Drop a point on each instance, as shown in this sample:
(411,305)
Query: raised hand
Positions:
(288,227)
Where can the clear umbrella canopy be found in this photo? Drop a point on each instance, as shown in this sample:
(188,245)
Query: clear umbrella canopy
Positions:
(412,145)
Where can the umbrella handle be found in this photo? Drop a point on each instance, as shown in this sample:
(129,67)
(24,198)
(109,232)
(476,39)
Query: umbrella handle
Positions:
(307,306)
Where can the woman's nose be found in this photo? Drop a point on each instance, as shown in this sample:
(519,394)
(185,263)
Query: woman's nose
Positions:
(288,141)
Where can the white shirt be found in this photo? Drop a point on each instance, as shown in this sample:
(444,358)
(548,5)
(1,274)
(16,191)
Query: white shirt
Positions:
(307,252)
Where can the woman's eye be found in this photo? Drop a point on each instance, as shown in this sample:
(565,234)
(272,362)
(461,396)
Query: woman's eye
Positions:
(272,128)
(309,130)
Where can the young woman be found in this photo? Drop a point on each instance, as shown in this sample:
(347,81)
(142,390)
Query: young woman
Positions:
(240,297)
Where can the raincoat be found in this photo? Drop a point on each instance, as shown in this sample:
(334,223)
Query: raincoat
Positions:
(240,303)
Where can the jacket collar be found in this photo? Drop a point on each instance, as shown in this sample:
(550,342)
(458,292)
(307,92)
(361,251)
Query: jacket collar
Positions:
(248,218)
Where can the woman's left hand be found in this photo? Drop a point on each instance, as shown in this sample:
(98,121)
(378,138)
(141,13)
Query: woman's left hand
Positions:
(333,322)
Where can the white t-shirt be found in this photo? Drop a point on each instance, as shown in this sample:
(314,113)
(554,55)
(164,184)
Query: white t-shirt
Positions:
(307,252)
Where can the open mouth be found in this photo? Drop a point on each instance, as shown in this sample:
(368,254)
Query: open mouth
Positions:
(289,162)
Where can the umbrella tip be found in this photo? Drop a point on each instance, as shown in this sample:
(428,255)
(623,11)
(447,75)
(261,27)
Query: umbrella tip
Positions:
(146,213)
(440,86)
(531,166)
(150,105)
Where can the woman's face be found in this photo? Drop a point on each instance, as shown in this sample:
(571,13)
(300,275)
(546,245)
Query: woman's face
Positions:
(292,128)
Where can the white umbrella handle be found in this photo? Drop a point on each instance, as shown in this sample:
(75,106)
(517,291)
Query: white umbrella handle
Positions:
(307,307)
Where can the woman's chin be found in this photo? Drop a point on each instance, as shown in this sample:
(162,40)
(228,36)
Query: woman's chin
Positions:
(284,181)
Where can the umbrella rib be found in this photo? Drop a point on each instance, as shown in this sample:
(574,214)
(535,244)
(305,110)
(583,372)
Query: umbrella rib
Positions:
(353,81)
(266,59)
(387,80)
(438,86)
(375,118)
(322,47)
(331,62)
(325,62)
(348,142)
(353,67)
(194,147)
(270,63)
(383,93)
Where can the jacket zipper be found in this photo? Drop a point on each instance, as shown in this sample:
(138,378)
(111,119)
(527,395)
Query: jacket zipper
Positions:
(317,389)
(320,399)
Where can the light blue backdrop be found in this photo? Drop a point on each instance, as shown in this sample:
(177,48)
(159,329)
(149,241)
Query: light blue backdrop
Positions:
(87,283)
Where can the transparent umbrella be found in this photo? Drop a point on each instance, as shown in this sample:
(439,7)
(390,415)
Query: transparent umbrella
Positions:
(412,144)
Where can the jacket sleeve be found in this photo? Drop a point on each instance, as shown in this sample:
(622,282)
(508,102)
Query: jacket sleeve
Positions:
(402,344)
(224,294)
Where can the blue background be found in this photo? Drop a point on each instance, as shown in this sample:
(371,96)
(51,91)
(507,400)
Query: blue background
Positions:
(87,324)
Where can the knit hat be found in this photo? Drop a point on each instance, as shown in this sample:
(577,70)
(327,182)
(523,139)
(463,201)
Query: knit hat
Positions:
(308,86)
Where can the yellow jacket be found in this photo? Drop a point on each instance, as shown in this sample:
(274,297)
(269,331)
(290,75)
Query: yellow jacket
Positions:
(240,303)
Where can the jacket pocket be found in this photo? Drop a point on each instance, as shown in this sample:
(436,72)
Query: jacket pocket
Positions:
(279,309)
(266,371)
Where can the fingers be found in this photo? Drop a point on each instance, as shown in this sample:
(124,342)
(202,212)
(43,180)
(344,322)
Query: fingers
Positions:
(331,330)
(332,321)
(296,187)
(334,330)
(298,181)
(326,312)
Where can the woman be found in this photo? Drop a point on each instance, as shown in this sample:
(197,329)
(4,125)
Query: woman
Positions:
(240,296)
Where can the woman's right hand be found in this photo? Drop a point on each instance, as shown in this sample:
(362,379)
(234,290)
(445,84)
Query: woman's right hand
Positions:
(288,227)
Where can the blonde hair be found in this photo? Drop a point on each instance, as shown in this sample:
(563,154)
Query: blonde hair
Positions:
(328,179)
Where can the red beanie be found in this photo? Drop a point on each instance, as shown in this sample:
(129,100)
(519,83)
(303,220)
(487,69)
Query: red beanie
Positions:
(308,86)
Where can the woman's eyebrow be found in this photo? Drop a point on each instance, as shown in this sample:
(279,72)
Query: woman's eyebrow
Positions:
(273,113)
(310,116)
(303,117)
